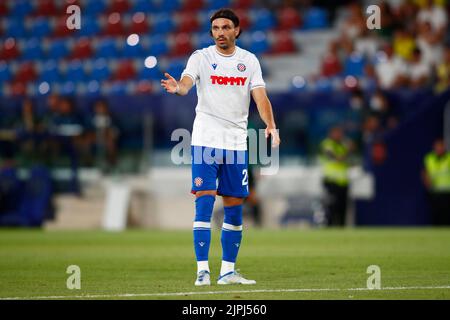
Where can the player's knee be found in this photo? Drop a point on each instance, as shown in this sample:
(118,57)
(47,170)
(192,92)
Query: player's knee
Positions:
(233,215)
(204,206)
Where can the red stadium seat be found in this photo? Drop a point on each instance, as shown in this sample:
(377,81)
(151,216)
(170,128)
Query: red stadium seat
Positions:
(331,66)
(82,49)
(244,19)
(114,25)
(187,22)
(120,6)
(182,46)
(288,18)
(144,86)
(283,43)
(3,8)
(139,23)
(18,88)
(125,71)
(242,4)
(60,29)
(46,8)
(9,50)
(192,5)
(25,73)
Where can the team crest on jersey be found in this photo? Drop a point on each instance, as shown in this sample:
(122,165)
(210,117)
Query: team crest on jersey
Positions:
(214,65)
(198,181)
(241,67)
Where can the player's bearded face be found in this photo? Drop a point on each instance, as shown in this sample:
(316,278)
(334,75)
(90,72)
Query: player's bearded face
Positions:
(224,33)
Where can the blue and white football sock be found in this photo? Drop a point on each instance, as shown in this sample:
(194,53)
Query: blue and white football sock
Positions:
(204,206)
(231,237)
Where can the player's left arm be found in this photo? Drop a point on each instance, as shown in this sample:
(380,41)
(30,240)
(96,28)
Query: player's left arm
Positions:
(264,106)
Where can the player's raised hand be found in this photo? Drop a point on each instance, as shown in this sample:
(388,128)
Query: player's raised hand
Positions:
(275,136)
(171,85)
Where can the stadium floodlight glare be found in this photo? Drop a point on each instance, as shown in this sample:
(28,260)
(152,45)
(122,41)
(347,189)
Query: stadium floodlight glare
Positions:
(44,87)
(150,62)
(350,81)
(93,86)
(298,82)
(133,39)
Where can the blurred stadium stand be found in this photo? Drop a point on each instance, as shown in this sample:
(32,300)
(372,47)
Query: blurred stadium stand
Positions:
(315,57)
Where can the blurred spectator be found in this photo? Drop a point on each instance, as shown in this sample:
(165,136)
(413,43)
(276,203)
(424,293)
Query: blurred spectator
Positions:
(358,111)
(436,177)
(335,150)
(388,23)
(403,43)
(331,64)
(103,135)
(372,130)
(436,16)
(66,129)
(418,71)
(391,70)
(31,133)
(381,108)
(430,45)
(443,72)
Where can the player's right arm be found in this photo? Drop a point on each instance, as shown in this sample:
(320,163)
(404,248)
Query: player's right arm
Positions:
(181,87)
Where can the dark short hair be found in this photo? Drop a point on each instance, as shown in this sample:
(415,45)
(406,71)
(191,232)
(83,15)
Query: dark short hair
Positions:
(226,14)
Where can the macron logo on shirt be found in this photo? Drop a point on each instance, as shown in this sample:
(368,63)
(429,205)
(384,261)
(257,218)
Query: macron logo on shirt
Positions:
(238,81)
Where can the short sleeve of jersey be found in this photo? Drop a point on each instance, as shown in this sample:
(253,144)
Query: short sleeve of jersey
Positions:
(192,69)
(256,79)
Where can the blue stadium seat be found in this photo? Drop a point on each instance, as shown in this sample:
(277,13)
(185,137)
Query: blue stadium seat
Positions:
(20,8)
(170,6)
(32,50)
(50,72)
(158,46)
(40,27)
(100,70)
(315,18)
(263,20)
(5,73)
(150,74)
(75,71)
(15,28)
(217,4)
(107,48)
(93,88)
(135,51)
(94,7)
(90,26)
(58,49)
(259,43)
(204,40)
(176,67)
(67,88)
(354,65)
(145,6)
(163,23)
(118,88)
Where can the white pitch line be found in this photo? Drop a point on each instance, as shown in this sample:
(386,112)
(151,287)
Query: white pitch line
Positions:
(165,294)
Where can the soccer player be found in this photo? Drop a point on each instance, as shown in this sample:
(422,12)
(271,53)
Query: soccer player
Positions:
(225,76)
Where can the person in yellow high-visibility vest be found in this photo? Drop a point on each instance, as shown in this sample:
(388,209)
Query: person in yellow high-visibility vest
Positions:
(335,150)
(436,176)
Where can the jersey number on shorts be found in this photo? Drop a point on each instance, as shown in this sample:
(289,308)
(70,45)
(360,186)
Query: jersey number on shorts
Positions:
(245,179)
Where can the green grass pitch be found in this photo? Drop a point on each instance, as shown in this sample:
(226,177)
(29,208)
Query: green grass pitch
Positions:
(287,264)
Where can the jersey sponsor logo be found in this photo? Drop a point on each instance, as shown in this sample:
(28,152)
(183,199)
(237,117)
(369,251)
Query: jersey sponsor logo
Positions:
(198,181)
(241,67)
(238,81)
(214,65)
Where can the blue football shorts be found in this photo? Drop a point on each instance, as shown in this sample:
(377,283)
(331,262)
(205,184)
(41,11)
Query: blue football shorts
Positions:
(218,169)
